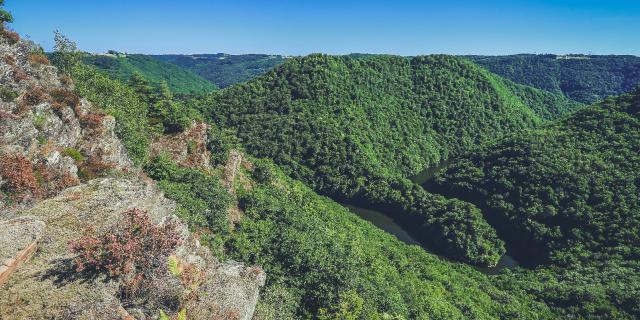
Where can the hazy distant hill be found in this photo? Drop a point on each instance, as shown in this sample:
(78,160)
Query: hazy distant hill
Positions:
(122,66)
(224,69)
(583,78)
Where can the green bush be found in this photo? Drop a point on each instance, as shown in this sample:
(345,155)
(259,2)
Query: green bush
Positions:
(220,142)
(201,198)
(8,95)
(74,154)
(120,101)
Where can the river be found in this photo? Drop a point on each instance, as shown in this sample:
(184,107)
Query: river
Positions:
(388,224)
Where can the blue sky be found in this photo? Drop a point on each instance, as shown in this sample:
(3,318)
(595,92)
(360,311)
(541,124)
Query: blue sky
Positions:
(401,27)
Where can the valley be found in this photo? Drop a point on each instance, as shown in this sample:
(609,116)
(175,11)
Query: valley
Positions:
(316,186)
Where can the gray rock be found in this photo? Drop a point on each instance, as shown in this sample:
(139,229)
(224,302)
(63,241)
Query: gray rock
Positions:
(49,289)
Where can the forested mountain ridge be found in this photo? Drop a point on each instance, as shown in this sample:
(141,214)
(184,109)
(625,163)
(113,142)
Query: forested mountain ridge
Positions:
(395,114)
(224,69)
(566,195)
(584,78)
(354,128)
(122,66)
(322,261)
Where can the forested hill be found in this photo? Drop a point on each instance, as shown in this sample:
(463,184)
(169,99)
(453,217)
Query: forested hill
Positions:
(575,181)
(583,78)
(355,128)
(566,195)
(334,120)
(122,66)
(225,69)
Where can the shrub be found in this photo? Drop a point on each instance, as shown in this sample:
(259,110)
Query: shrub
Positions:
(39,120)
(132,250)
(7,95)
(33,97)
(11,36)
(67,180)
(52,181)
(10,60)
(66,80)
(221,141)
(19,75)
(38,58)
(5,16)
(74,154)
(201,198)
(63,97)
(262,172)
(18,172)
(94,168)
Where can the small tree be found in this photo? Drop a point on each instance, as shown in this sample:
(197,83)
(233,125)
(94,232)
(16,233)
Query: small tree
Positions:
(141,86)
(5,16)
(65,54)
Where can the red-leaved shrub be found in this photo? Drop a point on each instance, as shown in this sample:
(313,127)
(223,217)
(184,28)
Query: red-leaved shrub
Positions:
(94,168)
(10,60)
(33,97)
(66,80)
(11,36)
(133,249)
(18,172)
(38,58)
(63,97)
(19,75)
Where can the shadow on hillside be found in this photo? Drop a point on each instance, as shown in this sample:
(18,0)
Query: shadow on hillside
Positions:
(62,272)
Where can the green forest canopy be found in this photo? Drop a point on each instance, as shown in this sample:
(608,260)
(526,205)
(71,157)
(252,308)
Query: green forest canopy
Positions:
(355,127)
(566,195)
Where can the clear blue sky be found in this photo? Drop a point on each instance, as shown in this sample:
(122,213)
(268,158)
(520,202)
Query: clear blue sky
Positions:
(336,27)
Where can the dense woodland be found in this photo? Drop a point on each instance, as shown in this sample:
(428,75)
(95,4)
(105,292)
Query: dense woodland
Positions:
(526,171)
(354,128)
(566,196)
(584,78)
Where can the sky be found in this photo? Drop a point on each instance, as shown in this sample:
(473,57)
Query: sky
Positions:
(402,27)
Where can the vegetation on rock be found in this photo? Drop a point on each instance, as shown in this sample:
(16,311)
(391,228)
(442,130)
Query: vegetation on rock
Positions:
(134,249)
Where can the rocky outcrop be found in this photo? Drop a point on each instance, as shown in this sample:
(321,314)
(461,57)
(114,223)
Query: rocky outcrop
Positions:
(49,287)
(52,137)
(59,156)
(188,148)
(18,241)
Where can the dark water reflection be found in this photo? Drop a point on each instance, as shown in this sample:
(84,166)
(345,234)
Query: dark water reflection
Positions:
(387,224)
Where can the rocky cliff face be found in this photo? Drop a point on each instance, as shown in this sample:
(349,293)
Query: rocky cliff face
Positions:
(49,137)
(62,170)
(48,287)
